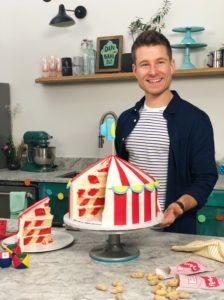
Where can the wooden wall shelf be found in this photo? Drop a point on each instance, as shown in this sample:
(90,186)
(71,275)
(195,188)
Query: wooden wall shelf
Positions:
(205,72)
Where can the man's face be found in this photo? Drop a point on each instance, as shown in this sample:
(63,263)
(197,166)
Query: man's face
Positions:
(153,69)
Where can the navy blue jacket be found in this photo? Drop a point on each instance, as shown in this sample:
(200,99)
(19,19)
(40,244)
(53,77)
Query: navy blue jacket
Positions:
(191,166)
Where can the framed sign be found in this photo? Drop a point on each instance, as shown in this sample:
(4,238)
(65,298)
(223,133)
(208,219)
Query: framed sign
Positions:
(108,54)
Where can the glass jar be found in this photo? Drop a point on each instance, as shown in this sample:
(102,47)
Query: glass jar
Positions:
(84,47)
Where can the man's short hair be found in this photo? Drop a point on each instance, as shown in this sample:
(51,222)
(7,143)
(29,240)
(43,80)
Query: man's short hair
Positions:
(150,38)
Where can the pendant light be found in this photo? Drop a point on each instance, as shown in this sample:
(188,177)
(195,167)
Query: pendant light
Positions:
(63,20)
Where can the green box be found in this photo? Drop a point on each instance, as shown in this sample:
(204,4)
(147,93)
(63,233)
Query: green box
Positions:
(210,219)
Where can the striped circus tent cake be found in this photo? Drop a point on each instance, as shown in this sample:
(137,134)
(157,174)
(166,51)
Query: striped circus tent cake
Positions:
(115,194)
(35,225)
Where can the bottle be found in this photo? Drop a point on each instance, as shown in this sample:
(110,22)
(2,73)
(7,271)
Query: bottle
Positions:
(91,57)
(84,47)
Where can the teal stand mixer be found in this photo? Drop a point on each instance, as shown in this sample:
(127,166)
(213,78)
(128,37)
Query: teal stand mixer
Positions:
(40,156)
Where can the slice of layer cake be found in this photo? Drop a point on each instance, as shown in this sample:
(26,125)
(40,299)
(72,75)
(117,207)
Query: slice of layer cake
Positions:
(115,194)
(35,225)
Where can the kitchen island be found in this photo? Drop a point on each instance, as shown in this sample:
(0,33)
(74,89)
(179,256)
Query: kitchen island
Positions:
(70,274)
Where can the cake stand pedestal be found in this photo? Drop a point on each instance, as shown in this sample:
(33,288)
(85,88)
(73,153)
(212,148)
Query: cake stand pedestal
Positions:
(188,43)
(113,250)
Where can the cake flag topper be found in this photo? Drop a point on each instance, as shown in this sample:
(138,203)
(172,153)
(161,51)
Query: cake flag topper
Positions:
(107,130)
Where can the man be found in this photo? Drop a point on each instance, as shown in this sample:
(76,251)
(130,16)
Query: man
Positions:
(167,136)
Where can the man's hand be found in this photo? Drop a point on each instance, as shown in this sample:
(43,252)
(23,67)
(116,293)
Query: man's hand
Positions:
(172,212)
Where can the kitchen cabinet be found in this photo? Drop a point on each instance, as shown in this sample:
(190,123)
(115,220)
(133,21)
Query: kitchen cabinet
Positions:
(6,187)
(198,72)
(5,120)
(210,219)
(58,194)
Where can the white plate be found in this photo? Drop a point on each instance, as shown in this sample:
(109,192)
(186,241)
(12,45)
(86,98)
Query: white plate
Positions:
(60,240)
(120,229)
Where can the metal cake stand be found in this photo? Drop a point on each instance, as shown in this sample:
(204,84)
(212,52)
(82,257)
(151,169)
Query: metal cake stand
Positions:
(188,43)
(113,250)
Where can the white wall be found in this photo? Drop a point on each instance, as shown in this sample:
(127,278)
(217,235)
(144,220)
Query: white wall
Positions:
(71,113)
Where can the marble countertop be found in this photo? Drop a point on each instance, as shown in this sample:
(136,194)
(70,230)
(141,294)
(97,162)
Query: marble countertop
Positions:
(64,166)
(70,274)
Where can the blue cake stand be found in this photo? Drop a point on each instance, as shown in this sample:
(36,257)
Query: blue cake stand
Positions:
(188,43)
(113,251)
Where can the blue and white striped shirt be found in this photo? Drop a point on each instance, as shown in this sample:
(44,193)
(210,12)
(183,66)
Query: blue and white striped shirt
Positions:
(148,147)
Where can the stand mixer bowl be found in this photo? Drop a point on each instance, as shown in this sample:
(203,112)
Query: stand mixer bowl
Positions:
(44,156)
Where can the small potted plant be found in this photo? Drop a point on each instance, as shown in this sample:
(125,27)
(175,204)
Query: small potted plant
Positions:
(138,26)
(11,155)
(156,22)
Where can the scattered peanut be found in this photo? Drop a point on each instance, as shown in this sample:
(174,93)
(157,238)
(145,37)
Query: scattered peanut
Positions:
(101,287)
(116,283)
(155,288)
(137,275)
(170,289)
(162,286)
(119,296)
(161,292)
(152,277)
(173,295)
(117,289)
(152,274)
(173,282)
(154,281)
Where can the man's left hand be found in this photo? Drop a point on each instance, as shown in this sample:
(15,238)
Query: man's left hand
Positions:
(172,212)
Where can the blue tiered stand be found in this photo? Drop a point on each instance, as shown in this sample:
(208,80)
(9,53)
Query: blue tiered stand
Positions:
(188,43)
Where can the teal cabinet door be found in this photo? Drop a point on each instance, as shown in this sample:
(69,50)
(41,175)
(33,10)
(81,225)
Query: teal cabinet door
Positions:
(58,194)
(210,219)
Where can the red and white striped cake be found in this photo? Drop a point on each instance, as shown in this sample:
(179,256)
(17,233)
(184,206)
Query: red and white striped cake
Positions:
(35,225)
(115,194)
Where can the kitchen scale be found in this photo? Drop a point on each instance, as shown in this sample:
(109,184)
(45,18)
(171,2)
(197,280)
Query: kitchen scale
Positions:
(113,251)
(188,43)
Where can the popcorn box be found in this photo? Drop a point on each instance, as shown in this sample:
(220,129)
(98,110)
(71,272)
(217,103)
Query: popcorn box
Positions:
(201,283)
(186,268)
